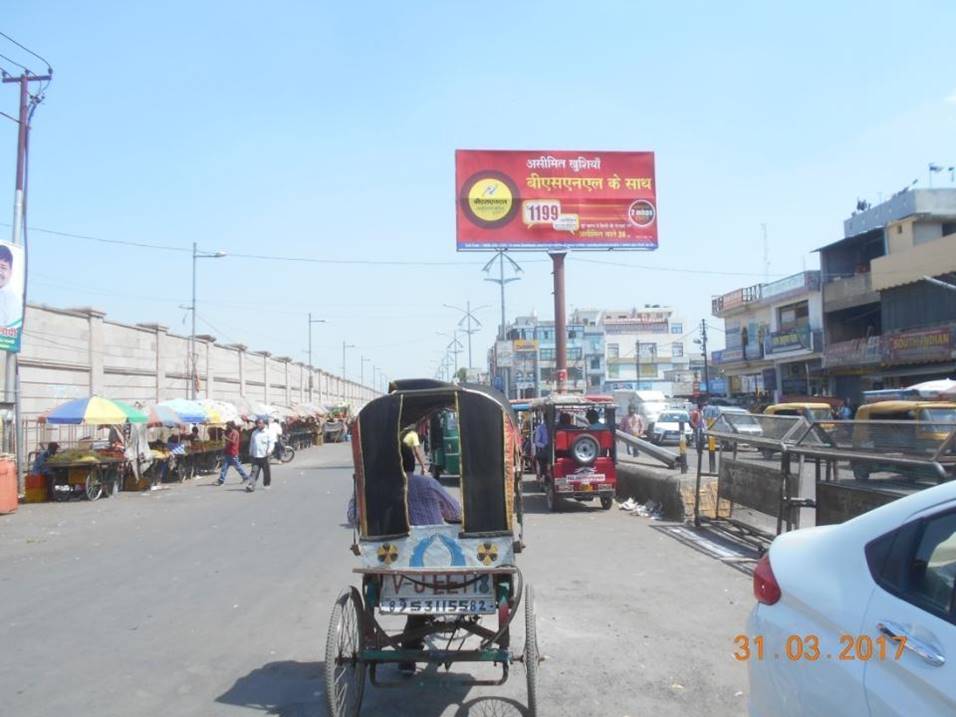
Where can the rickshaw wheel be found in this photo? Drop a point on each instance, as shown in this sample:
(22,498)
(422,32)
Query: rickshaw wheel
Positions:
(606,502)
(344,672)
(93,486)
(531,656)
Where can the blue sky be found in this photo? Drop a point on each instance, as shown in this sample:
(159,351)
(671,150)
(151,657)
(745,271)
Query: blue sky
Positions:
(328,131)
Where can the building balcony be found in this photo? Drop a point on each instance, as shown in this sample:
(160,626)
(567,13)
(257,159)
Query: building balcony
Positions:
(721,306)
(847,292)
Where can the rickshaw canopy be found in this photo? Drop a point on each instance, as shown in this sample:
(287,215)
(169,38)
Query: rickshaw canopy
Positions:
(488,443)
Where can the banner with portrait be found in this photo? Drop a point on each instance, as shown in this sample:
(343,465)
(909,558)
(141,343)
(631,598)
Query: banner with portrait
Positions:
(12,277)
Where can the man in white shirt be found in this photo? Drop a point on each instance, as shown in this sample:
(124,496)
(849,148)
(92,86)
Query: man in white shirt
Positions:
(260,442)
(275,435)
(11,302)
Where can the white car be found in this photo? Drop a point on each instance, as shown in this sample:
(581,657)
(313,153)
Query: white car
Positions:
(858,618)
(667,428)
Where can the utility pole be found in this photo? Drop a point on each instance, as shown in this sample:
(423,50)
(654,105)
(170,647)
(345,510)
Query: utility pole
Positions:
(193,374)
(501,281)
(637,364)
(703,343)
(362,370)
(11,391)
(311,369)
(560,323)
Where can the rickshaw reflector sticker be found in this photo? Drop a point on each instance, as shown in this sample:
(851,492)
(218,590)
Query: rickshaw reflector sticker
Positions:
(387,553)
(487,553)
(437,593)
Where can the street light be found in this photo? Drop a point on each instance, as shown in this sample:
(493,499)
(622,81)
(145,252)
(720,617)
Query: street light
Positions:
(344,347)
(192,337)
(468,317)
(362,369)
(454,345)
(312,321)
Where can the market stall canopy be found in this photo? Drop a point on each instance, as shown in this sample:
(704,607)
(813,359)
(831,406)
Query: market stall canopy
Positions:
(159,415)
(943,388)
(253,409)
(309,409)
(94,410)
(220,412)
(188,411)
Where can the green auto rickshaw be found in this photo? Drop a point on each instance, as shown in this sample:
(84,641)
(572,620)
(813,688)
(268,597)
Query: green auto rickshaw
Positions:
(444,446)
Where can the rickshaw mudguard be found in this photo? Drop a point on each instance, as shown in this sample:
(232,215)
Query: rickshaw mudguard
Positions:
(436,548)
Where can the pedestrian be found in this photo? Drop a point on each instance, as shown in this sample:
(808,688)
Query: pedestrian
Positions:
(633,424)
(259,447)
(275,437)
(40,463)
(540,441)
(412,440)
(844,412)
(230,454)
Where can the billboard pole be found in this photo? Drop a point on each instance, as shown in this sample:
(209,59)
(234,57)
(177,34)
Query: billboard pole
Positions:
(560,324)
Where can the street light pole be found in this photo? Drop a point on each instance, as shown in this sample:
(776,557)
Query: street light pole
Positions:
(362,370)
(501,281)
(311,369)
(344,347)
(192,336)
(467,318)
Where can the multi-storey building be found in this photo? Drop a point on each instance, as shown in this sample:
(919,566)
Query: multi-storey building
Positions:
(642,347)
(774,337)
(886,324)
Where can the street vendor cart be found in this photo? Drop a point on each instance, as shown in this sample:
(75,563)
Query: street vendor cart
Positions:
(444,579)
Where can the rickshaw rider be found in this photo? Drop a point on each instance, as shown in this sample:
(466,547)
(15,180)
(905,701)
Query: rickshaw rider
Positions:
(428,504)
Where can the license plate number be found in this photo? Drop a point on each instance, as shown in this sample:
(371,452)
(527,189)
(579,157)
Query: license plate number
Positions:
(432,593)
(432,606)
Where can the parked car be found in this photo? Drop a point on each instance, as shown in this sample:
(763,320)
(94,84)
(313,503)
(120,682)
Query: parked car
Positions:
(667,428)
(858,618)
(649,404)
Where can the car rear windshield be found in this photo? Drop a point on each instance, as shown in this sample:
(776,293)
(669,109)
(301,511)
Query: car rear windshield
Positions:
(674,418)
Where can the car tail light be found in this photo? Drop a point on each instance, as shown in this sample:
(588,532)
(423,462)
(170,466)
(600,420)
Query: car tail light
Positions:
(766,588)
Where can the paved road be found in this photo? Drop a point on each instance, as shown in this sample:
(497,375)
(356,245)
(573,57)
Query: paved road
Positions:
(202,601)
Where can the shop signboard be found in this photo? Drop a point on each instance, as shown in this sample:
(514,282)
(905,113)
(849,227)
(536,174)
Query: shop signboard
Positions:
(792,340)
(503,354)
(855,352)
(525,345)
(555,200)
(918,345)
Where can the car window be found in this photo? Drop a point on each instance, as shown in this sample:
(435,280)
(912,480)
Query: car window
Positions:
(933,566)
(788,412)
(917,563)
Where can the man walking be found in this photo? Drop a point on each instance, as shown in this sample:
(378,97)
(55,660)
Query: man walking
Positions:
(632,424)
(260,442)
(275,435)
(230,454)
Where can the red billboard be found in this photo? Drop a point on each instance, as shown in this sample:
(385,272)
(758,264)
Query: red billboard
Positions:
(555,200)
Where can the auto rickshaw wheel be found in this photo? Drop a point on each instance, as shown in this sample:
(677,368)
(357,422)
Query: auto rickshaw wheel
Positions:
(344,670)
(531,656)
(93,486)
(606,502)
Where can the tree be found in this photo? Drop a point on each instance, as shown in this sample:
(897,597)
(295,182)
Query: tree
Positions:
(461,375)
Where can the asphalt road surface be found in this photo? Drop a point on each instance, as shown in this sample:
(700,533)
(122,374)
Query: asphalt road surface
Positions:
(203,600)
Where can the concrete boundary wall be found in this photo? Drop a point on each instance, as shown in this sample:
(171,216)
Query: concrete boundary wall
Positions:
(74,353)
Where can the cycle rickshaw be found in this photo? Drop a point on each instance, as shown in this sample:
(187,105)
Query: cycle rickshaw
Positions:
(451,576)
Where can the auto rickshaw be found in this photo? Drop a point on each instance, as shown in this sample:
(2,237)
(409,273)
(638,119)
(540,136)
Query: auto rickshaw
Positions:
(444,447)
(813,412)
(444,579)
(920,428)
(581,453)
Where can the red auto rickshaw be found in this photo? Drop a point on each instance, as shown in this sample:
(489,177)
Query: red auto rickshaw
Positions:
(579,461)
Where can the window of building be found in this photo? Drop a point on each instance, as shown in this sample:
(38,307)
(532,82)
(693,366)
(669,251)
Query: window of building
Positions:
(793,316)
(613,370)
(677,349)
(546,354)
(596,362)
(574,354)
(677,328)
(572,334)
(613,351)
(595,381)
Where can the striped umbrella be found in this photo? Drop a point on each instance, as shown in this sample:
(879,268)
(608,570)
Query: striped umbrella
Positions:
(187,411)
(94,410)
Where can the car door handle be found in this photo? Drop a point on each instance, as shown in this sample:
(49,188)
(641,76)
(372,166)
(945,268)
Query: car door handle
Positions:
(926,651)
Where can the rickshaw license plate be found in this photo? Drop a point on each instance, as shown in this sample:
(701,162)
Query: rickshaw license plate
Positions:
(440,593)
